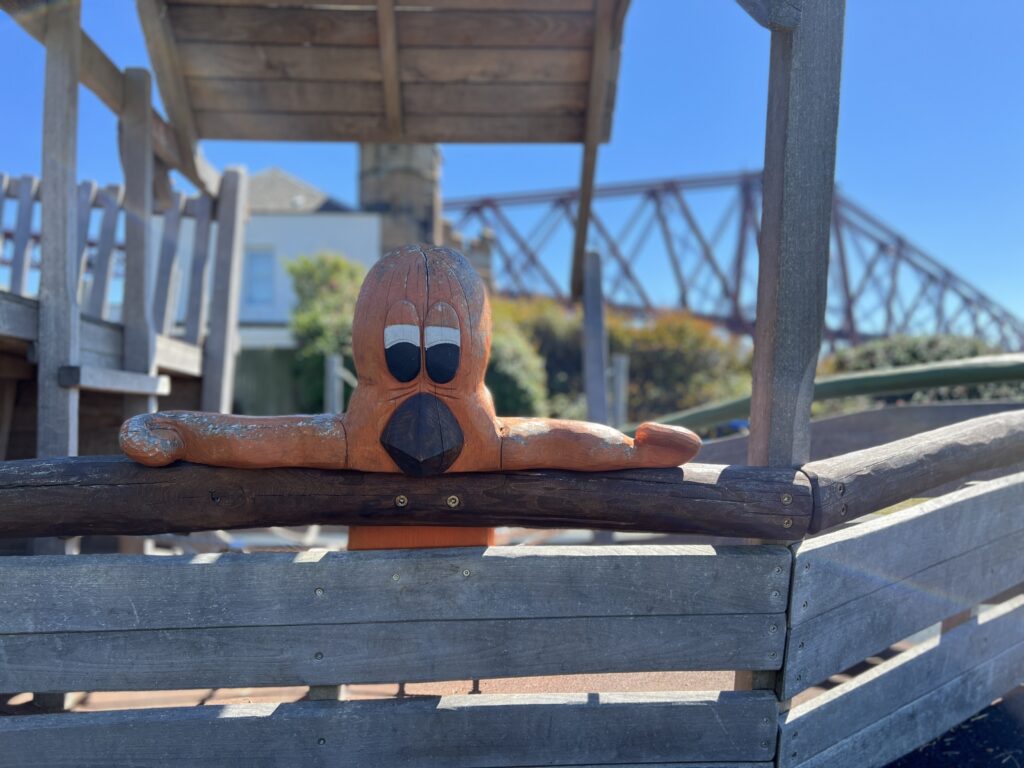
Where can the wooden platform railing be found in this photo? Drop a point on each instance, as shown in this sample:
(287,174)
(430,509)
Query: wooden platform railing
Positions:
(112,495)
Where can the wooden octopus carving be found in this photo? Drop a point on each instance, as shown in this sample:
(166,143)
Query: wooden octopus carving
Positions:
(421,340)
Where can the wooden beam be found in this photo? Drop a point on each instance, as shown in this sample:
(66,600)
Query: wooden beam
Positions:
(163,56)
(137,308)
(114,495)
(220,346)
(59,318)
(774,14)
(390,83)
(595,341)
(800,147)
(111,380)
(596,104)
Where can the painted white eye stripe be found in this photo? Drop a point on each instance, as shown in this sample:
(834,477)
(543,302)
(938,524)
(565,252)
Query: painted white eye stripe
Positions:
(441,334)
(399,334)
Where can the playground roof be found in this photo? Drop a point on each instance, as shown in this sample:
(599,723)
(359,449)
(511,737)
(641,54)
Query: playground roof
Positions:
(405,71)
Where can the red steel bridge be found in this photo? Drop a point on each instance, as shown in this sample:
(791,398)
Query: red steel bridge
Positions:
(691,243)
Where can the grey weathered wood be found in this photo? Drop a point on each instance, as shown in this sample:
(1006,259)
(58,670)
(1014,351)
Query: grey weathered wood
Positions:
(420,651)
(195,315)
(219,347)
(163,53)
(5,183)
(137,308)
(839,713)
(800,145)
(334,387)
(774,14)
(86,197)
(28,193)
(165,295)
(114,495)
(865,481)
(19,317)
(596,100)
(103,262)
(8,393)
(91,593)
(112,380)
(595,342)
(175,355)
(457,731)
(443,5)
(857,591)
(59,323)
(927,717)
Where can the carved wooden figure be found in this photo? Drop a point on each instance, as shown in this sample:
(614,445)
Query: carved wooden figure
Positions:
(421,339)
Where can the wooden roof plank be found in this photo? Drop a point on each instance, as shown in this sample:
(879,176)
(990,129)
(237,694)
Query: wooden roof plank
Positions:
(391,85)
(418,128)
(471,5)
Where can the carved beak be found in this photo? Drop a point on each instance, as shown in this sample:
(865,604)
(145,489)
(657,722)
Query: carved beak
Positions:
(422,436)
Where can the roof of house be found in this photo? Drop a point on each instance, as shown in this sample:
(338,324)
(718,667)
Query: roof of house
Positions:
(275,191)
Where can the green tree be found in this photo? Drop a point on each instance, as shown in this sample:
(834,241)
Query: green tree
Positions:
(515,373)
(326,288)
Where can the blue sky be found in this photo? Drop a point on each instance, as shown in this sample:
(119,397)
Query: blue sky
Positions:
(931,133)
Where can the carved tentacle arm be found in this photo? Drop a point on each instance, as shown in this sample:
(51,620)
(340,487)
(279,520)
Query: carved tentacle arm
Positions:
(156,439)
(575,445)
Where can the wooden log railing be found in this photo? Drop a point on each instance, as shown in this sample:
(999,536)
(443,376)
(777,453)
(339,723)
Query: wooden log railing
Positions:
(112,495)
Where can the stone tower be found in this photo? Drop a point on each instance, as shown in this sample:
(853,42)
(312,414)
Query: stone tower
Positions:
(402,183)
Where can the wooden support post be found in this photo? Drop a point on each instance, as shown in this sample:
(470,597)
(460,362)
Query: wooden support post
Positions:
(620,390)
(58,336)
(390,80)
(799,168)
(137,309)
(21,261)
(219,349)
(165,304)
(195,317)
(334,387)
(595,343)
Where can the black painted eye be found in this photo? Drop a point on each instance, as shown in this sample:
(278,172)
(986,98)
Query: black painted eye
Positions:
(402,351)
(442,341)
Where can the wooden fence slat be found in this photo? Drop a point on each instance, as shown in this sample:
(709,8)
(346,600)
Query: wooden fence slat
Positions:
(903,603)
(840,713)
(114,495)
(195,315)
(457,731)
(90,593)
(28,192)
(103,263)
(415,651)
(86,198)
(927,717)
(165,294)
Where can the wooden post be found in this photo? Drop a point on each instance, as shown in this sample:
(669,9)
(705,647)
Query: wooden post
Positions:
(595,343)
(137,309)
(799,168)
(58,336)
(334,387)
(620,389)
(219,349)
(195,317)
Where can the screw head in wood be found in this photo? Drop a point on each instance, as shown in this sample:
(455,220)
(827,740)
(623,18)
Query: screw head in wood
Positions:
(395,577)
(841,488)
(401,500)
(787,499)
(319,591)
(465,572)
(787,523)
(842,511)
(452,501)
(318,656)
(321,742)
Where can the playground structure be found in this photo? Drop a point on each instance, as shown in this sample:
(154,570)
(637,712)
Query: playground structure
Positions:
(814,583)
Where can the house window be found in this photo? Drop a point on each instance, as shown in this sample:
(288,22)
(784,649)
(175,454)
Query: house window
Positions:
(259,275)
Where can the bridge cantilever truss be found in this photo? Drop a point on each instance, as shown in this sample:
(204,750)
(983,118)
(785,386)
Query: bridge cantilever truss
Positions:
(691,243)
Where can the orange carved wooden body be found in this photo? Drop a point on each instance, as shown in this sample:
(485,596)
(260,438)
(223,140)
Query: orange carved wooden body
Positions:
(421,340)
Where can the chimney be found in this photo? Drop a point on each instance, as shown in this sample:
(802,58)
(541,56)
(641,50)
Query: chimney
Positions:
(402,183)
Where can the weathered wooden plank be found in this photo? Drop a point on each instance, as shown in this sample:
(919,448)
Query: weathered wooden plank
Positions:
(165,294)
(5,184)
(92,593)
(915,568)
(387,32)
(174,355)
(103,262)
(495,99)
(356,28)
(862,482)
(28,192)
(59,320)
(195,315)
(799,166)
(86,198)
(116,496)
(774,14)
(840,713)
(565,6)
(19,317)
(419,651)
(220,344)
(595,341)
(112,380)
(927,717)
(427,129)
(137,307)
(293,62)
(457,731)
(219,95)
